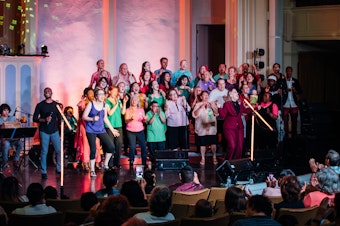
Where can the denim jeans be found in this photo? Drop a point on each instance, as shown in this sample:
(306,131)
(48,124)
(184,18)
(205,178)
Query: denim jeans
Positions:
(140,136)
(45,139)
(18,144)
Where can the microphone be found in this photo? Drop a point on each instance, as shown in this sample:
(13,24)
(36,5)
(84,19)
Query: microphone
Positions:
(51,116)
(16,109)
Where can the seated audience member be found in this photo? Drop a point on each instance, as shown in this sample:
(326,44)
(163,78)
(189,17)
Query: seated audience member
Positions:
(290,191)
(35,194)
(327,184)
(150,179)
(235,200)
(258,212)
(132,221)
(50,192)
(203,209)
(332,160)
(135,192)
(160,203)
(89,202)
(9,190)
(272,189)
(110,180)
(114,211)
(189,180)
(328,212)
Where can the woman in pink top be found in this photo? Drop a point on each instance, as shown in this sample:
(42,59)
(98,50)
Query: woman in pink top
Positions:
(326,181)
(134,118)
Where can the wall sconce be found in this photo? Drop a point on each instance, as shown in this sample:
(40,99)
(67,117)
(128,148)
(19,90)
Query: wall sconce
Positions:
(44,49)
(4,49)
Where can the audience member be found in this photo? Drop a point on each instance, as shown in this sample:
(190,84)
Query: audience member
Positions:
(189,180)
(160,203)
(328,212)
(10,190)
(133,221)
(258,212)
(88,201)
(290,191)
(235,200)
(35,194)
(273,185)
(110,181)
(135,192)
(327,184)
(332,160)
(50,192)
(114,211)
(150,179)
(203,209)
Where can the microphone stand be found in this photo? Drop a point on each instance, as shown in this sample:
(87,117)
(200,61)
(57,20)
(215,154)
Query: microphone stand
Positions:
(252,127)
(63,120)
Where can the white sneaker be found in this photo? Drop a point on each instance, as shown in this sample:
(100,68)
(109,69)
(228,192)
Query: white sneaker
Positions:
(93,174)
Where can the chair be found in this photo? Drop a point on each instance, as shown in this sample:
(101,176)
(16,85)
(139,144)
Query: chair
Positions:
(275,199)
(236,216)
(168,223)
(64,204)
(9,206)
(193,221)
(191,197)
(216,193)
(77,217)
(303,215)
(219,207)
(53,219)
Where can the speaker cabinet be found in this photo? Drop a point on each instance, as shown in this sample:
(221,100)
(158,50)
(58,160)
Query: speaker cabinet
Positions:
(238,170)
(171,160)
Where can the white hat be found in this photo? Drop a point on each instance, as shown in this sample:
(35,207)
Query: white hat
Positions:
(272,77)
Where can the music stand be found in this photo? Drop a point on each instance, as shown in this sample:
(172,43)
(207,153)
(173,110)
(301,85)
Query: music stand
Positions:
(18,133)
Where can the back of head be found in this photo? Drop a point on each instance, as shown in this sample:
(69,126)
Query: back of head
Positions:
(328,180)
(333,158)
(187,174)
(203,209)
(110,179)
(290,188)
(115,210)
(235,200)
(9,189)
(133,192)
(160,201)
(260,204)
(35,193)
(88,200)
(50,192)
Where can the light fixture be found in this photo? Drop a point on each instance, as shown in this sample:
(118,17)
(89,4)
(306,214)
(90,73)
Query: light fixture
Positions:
(4,49)
(258,53)
(44,49)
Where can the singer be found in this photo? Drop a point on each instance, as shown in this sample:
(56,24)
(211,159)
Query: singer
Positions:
(5,117)
(49,118)
(233,126)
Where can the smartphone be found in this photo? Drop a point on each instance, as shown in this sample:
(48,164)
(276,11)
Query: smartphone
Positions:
(271,177)
(139,172)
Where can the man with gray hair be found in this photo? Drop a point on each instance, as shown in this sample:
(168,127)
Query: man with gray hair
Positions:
(332,160)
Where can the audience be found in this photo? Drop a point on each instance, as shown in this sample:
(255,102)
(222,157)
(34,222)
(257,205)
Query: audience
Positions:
(235,200)
(258,212)
(134,191)
(203,209)
(160,203)
(189,180)
(50,192)
(10,190)
(132,221)
(110,180)
(272,189)
(150,179)
(35,194)
(114,211)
